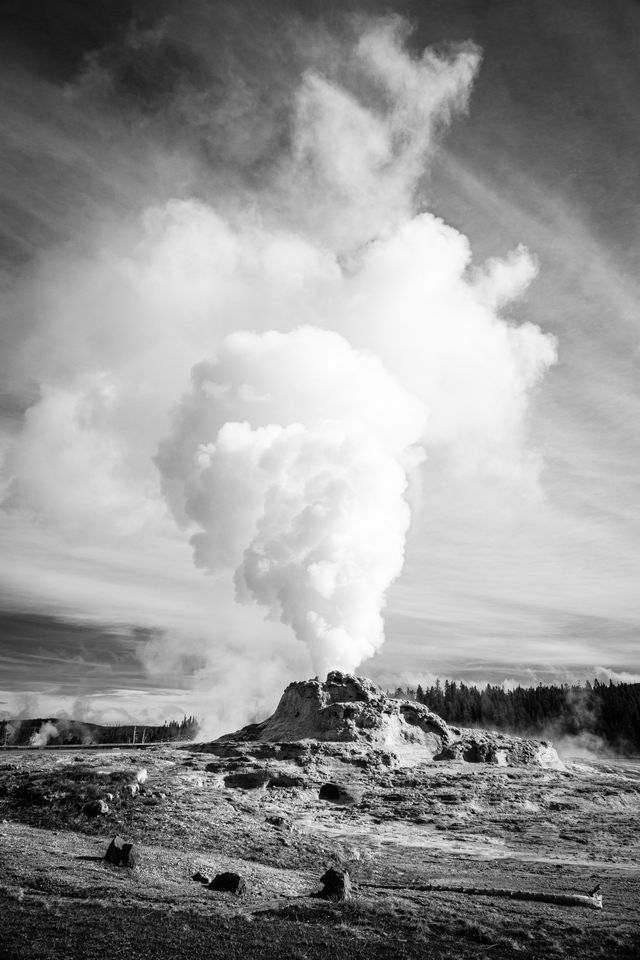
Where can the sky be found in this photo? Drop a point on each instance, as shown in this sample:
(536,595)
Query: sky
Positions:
(318,351)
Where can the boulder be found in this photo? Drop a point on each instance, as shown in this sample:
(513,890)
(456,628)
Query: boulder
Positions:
(228,883)
(336,885)
(121,854)
(251,780)
(95,808)
(129,856)
(276,820)
(114,851)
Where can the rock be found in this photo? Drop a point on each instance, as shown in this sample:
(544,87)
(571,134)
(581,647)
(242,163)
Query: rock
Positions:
(276,820)
(95,808)
(132,789)
(114,851)
(229,883)
(336,885)
(129,856)
(500,749)
(340,793)
(201,878)
(248,781)
(121,854)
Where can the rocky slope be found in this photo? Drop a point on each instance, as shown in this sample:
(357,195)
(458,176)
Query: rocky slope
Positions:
(352,710)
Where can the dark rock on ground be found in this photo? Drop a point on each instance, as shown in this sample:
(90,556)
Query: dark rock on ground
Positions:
(95,808)
(276,820)
(251,780)
(114,851)
(228,883)
(121,854)
(336,885)
(129,856)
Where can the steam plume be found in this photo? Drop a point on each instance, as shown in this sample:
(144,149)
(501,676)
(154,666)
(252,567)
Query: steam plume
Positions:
(41,737)
(291,453)
(333,333)
(306,492)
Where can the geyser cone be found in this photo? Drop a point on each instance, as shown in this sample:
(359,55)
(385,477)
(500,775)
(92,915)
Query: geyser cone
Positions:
(348,709)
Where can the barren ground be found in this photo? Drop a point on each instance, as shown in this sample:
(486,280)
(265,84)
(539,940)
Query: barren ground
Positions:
(518,828)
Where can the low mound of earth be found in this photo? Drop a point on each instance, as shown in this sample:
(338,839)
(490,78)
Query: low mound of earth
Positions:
(352,710)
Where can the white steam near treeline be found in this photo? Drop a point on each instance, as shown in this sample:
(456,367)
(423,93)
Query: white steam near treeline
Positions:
(276,351)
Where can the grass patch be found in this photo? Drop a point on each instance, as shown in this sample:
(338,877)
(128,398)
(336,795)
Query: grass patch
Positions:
(56,797)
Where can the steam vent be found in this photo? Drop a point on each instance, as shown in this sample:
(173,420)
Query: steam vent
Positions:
(352,711)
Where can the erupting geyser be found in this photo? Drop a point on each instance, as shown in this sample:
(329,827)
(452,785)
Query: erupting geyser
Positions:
(288,349)
(304,492)
(292,453)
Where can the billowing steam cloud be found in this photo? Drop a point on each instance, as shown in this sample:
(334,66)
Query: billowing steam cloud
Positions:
(41,737)
(333,335)
(305,490)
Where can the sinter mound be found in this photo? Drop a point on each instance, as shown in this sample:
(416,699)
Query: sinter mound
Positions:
(349,709)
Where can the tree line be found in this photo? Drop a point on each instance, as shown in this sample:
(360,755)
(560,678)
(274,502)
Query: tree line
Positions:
(610,711)
(185,729)
(52,731)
